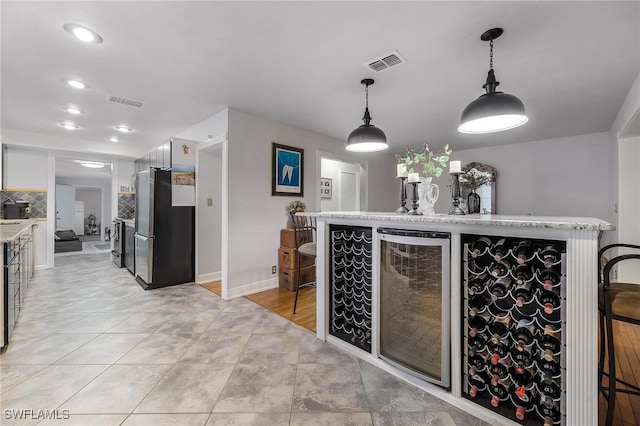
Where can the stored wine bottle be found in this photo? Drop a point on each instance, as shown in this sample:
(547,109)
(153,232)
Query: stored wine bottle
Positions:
(523,293)
(523,251)
(477,284)
(499,371)
(499,268)
(549,388)
(522,376)
(477,361)
(551,339)
(500,287)
(499,327)
(523,398)
(477,384)
(499,349)
(549,364)
(522,356)
(478,302)
(499,392)
(550,255)
(524,332)
(523,273)
(478,322)
(549,410)
(478,341)
(550,278)
(500,249)
(549,301)
(479,246)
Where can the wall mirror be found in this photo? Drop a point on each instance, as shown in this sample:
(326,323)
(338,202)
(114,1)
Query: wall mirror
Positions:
(480,179)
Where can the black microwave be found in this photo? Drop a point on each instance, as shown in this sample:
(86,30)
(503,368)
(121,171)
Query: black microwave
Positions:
(16,210)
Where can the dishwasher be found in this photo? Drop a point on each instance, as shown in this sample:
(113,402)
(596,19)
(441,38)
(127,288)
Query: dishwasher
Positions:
(415,303)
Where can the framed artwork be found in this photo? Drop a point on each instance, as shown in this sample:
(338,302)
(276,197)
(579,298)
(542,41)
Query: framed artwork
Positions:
(325,187)
(287,170)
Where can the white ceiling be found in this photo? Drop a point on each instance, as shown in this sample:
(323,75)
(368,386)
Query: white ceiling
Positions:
(571,63)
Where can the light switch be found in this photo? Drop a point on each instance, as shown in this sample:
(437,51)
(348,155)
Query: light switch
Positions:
(209,202)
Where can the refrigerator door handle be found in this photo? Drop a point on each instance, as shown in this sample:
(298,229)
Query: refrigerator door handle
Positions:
(143,237)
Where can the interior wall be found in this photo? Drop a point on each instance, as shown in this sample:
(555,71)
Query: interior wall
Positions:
(330,168)
(105,210)
(26,169)
(92,203)
(209,218)
(256,217)
(553,177)
(628,204)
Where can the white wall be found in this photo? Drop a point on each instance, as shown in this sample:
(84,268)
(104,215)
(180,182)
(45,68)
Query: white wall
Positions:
(26,169)
(92,203)
(209,218)
(628,205)
(553,177)
(208,128)
(331,169)
(255,217)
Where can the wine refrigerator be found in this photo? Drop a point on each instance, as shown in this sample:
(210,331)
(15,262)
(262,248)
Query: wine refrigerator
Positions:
(513,306)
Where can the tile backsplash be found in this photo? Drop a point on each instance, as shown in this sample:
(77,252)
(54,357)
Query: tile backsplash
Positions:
(126,206)
(37,201)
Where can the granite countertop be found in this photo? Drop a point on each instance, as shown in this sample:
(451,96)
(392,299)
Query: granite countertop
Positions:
(10,229)
(131,222)
(550,222)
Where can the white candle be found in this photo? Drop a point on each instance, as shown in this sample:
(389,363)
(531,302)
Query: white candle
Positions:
(414,177)
(455,167)
(402,169)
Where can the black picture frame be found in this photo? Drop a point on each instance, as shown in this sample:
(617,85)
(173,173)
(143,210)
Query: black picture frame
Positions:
(287,170)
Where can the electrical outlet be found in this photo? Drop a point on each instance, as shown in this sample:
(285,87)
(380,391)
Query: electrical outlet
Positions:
(209,202)
(273,269)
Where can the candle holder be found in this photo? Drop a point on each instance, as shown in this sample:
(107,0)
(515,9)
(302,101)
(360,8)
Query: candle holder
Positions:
(456,194)
(403,196)
(414,199)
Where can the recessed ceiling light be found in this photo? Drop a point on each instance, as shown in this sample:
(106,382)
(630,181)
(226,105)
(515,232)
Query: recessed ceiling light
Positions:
(92,164)
(73,110)
(124,129)
(69,126)
(77,84)
(113,139)
(83,33)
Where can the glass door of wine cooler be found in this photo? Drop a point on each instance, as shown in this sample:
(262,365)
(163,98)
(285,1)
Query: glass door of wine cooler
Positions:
(415,303)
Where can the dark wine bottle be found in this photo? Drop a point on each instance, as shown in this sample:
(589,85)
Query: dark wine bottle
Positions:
(479,246)
(477,361)
(524,332)
(499,392)
(523,251)
(521,375)
(499,371)
(500,287)
(524,399)
(477,284)
(523,273)
(523,293)
(549,364)
(478,321)
(499,349)
(522,356)
(551,339)
(549,301)
(500,249)
(549,255)
(500,268)
(549,410)
(549,278)
(478,302)
(549,388)
(477,383)
(479,341)
(499,327)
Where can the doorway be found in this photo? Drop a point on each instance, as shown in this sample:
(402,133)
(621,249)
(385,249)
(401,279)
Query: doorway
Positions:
(346,181)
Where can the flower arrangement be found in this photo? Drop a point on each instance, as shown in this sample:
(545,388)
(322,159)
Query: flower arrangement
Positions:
(474,178)
(433,163)
(297,206)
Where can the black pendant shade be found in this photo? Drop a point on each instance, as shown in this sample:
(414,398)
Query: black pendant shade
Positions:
(494,111)
(367,137)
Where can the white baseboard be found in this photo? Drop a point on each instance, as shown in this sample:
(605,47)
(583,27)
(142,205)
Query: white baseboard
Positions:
(252,288)
(209,278)
(41,267)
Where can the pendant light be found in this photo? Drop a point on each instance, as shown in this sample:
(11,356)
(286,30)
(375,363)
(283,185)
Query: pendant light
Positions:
(367,137)
(493,111)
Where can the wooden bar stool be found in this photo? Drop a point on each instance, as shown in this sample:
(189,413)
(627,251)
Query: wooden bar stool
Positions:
(304,230)
(619,302)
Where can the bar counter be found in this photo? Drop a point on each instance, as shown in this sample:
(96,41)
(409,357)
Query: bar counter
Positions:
(579,238)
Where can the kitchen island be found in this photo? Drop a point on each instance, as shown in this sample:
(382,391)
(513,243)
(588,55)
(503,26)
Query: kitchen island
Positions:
(541,329)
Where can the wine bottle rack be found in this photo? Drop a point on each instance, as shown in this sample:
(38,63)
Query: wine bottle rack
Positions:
(513,306)
(350,289)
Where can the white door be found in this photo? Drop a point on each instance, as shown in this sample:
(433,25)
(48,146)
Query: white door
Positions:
(78,218)
(65,206)
(349,190)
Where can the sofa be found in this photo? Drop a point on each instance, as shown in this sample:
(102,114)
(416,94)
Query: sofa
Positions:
(66,241)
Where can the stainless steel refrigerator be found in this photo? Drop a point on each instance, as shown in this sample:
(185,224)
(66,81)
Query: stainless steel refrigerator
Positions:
(165,235)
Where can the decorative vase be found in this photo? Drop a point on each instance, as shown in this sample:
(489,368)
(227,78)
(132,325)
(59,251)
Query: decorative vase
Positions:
(428,195)
(473,202)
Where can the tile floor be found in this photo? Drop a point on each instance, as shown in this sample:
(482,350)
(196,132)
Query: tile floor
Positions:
(92,346)
(89,247)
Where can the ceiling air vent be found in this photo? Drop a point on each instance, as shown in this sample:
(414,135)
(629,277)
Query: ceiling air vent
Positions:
(385,62)
(124,101)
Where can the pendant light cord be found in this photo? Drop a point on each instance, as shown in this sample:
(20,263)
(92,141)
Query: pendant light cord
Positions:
(490,54)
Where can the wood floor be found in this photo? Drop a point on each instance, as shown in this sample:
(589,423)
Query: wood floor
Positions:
(627,344)
(627,341)
(280,301)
